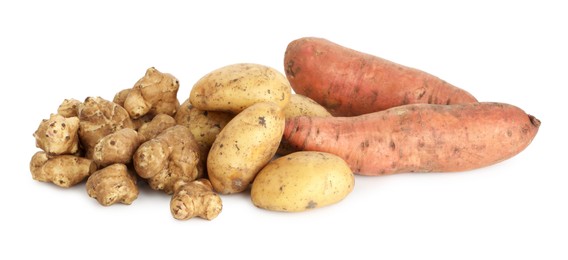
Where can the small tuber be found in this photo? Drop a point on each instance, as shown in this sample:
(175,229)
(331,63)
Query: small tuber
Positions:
(112,184)
(121,96)
(170,156)
(69,107)
(98,118)
(195,199)
(63,170)
(157,125)
(58,135)
(117,147)
(155,93)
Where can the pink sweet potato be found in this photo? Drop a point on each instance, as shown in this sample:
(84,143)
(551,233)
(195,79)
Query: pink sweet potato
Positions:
(418,137)
(350,83)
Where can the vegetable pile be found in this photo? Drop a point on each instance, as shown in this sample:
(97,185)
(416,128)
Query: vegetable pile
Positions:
(293,140)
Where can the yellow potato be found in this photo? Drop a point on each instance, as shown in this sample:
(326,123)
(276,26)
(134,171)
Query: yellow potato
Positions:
(301,181)
(300,105)
(244,146)
(235,87)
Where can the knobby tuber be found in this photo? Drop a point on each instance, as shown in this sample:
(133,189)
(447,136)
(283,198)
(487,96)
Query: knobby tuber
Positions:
(172,155)
(117,147)
(113,184)
(155,93)
(98,118)
(58,135)
(195,199)
(62,170)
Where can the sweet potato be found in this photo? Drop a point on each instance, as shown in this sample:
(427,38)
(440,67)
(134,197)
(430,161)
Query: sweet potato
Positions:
(418,137)
(350,83)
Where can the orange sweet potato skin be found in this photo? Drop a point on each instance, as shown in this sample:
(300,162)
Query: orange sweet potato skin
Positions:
(350,83)
(418,137)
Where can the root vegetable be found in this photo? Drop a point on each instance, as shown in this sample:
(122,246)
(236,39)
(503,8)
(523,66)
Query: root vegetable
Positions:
(244,146)
(195,199)
(171,156)
(99,118)
(204,125)
(139,122)
(301,105)
(155,93)
(119,99)
(418,137)
(157,125)
(350,83)
(302,181)
(117,147)
(63,170)
(121,96)
(58,135)
(69,108)
(112,184)
(235,87)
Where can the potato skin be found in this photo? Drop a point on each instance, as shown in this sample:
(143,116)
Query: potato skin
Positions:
(235,87)
(301,105)
(244,146)
(302,181)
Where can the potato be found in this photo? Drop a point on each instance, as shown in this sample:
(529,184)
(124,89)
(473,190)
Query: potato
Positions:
(304,106)
(301,181)
(235,87)
(244,146)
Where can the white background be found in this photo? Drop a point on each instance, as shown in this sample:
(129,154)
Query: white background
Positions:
(513,52)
